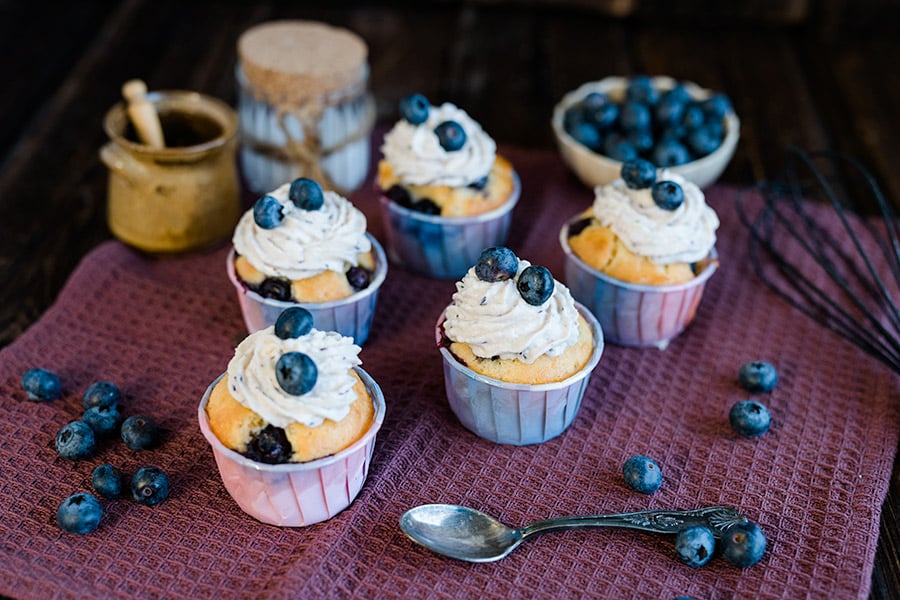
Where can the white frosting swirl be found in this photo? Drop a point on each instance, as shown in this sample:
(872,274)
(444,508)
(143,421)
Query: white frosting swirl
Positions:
(494,320)
(252,380)
(417,157)
(306,242)
(686,234)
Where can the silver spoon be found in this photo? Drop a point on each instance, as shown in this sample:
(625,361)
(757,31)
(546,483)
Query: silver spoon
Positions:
(468,534)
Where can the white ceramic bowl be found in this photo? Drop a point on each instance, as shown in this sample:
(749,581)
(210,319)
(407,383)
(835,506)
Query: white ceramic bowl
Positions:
(595,169)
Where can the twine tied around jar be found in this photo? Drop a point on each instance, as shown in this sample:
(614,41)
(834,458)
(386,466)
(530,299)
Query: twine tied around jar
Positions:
(308,151)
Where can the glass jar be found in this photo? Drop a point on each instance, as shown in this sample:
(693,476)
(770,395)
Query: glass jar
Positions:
(303,105)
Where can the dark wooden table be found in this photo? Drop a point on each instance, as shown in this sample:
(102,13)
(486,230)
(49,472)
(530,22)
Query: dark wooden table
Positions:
(814,76)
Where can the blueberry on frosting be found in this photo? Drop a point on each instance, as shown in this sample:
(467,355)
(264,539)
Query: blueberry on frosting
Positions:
(293,322)
(638,173)
(296,373)
(535,285)
(668,195)
(268,212)
(451,136)
(414,108)
(306,194)
(497,264)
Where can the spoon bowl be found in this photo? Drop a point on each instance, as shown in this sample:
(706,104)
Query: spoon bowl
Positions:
(467,534)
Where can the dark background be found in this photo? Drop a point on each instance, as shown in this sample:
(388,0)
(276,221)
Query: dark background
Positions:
(812,74)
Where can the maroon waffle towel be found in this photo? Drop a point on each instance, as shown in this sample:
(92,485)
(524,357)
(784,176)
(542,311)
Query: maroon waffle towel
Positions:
(163,329)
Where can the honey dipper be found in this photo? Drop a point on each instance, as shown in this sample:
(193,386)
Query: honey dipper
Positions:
(143,114)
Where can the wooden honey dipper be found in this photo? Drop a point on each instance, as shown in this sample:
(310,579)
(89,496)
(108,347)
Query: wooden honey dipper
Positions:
(143,114)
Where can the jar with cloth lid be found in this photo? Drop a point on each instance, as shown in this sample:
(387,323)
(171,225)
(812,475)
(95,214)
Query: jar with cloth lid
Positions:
(304,105)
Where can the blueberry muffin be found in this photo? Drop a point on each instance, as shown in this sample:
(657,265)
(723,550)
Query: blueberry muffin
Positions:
(439,161)
(291,394)
(511,321)
(304,244)
(648,227)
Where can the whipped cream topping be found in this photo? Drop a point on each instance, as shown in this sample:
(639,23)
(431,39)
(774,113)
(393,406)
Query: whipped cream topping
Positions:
(494,320)
(418,158)
(252,380)
(686,234)
(307,242)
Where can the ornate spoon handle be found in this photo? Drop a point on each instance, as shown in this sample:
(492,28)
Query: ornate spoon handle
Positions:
(716,518)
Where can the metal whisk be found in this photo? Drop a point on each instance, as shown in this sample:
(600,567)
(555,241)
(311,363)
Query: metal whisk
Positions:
(852,283)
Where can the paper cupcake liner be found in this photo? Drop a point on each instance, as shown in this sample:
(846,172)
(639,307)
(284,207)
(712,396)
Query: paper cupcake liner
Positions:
(634,314)
(443,247)
(296,494)
(351,316)
(262,131)
(515,413)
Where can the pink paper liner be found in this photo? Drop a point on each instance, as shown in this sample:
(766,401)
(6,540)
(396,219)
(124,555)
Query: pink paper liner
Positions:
(515,413)
(350,316)
(443,247)
(296,494)
(634,314)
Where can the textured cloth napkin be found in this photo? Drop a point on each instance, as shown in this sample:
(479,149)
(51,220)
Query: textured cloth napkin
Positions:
(164,328)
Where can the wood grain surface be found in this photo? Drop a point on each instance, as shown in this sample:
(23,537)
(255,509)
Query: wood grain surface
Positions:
(815,75)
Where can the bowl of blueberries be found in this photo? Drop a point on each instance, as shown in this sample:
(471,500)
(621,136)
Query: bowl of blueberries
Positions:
(676,125)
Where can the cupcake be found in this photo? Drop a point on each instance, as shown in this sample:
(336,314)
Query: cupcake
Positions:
(445,192)
(302,245)
(639,258)
(517,350)
(292,422)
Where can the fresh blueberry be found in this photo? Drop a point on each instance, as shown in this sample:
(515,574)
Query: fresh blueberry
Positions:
(693,116)
(669,110)
(743,544)
(140,432)
(359,277)
(535,285)
(268,212)
(573,116)
(296,373)
(638,174)
(293,322)
(703,141)
(642,140)
(717,106)
(672,133)
(414,108)
(695,545)
(749,418)
(642,474)
(41,384)
(150,486)
(497,264)
(634,116)
(667,195)
(594,100)
(270,446)
(101,394)
(619,148)
(451,136)
(640,88)
(104,420)
(277,288)
(602,117)
(76,441)
(586,135)
(678,93)
(670,153)
(108,481)
(79,513)
(306,194)
(758,377)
